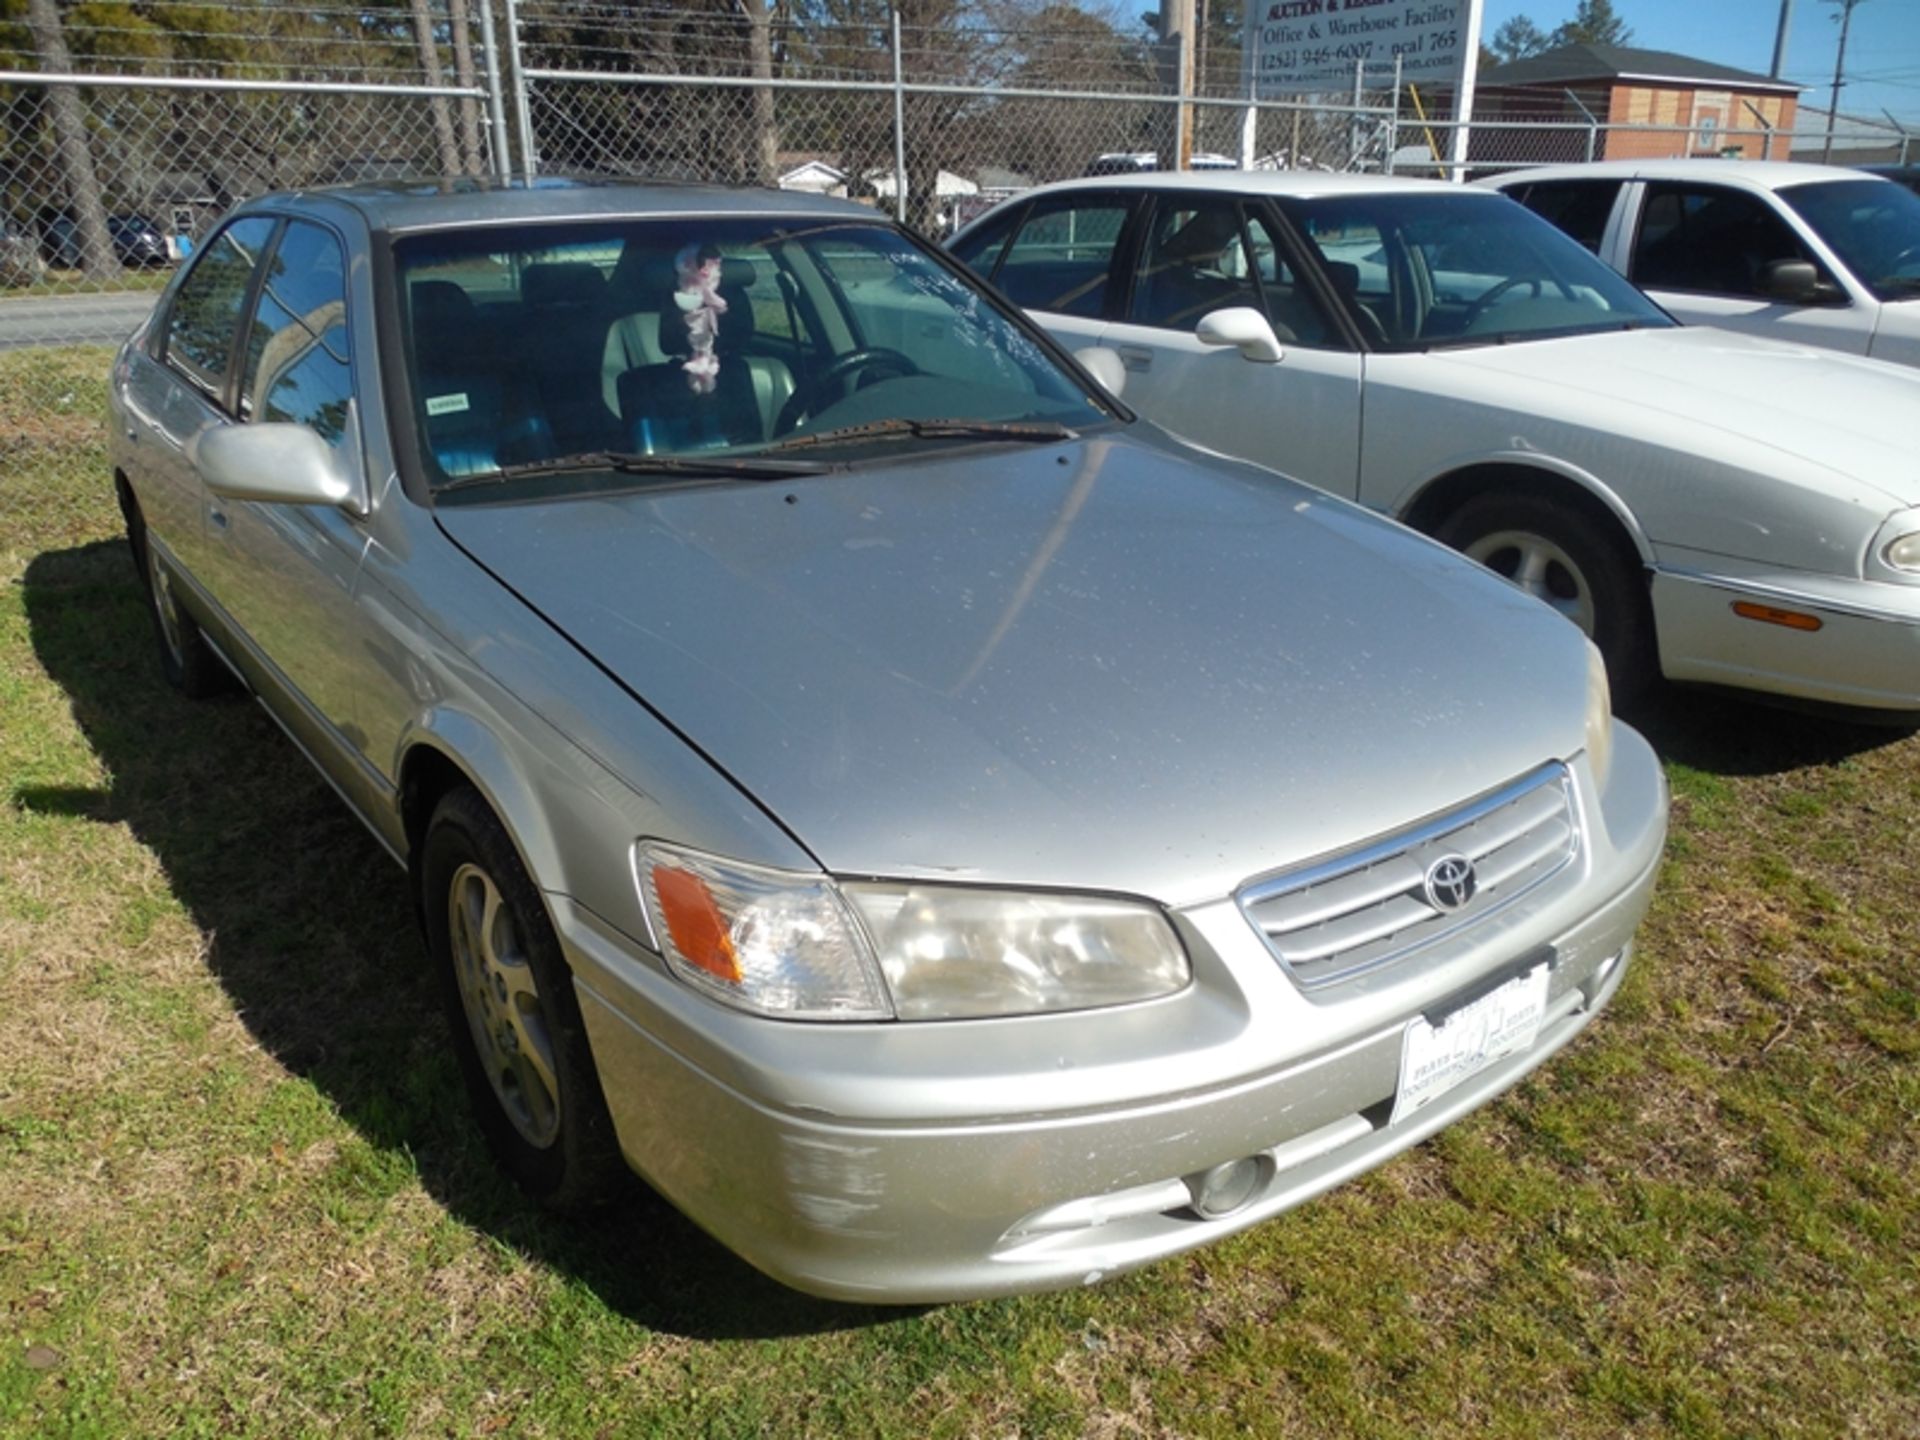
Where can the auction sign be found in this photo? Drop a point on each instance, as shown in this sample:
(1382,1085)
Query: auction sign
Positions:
(1299,47)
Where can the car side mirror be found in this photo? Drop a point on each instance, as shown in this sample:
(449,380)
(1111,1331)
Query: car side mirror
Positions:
(1245,329)
(280,463)
(1798,282)
(1104,365)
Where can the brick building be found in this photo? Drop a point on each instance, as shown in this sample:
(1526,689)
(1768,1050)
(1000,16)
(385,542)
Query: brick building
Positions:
(1694,107)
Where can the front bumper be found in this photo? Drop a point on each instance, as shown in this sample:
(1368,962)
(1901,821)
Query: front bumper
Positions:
(903,1191)
(1865,652)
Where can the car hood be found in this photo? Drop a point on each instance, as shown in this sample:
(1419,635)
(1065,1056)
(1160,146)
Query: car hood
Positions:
(1840,413)
(1109,664)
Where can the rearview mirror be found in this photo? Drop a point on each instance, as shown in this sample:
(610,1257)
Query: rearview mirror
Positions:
(282,464)
(1105,366)
(1244,328)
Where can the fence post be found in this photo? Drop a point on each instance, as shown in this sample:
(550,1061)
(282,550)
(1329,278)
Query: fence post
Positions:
(1593,123)
(1353,117)
(1393,120)
(1182,111)
(522,109)
(1766,130)
(496,110)
(900,131)
(1250,123)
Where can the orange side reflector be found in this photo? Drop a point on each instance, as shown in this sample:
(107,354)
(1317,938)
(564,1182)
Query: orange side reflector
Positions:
(1769,615)
(694,921)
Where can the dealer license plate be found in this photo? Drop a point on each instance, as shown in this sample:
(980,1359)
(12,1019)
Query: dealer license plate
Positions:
(1435,1058)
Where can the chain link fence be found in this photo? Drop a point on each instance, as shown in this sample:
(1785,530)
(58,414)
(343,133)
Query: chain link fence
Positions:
(930,121)
(126,130)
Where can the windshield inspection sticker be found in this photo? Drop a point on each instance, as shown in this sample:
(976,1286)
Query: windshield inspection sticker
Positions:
(446,404)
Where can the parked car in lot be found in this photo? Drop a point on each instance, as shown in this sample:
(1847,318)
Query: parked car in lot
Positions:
(1811,253)
(19,257)
(1716,507)
(947,835)
(136,240)
(1907,175)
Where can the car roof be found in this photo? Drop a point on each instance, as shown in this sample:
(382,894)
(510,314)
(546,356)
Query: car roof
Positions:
(397,206)
(1745,174)
(1251,182)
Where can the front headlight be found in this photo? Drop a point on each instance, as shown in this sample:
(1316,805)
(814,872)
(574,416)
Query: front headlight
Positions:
(1894,553)
(1903,552)
(1599,717)
(764,940)
(801,947)
(950,952)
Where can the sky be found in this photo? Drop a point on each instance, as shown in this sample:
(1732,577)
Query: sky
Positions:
(1883,47)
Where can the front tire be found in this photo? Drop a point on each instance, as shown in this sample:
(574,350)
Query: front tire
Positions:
(1564,557)
(510,1006)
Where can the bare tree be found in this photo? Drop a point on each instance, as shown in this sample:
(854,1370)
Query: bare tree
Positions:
(465,76)
(760,58)
(70,141)
(430,71)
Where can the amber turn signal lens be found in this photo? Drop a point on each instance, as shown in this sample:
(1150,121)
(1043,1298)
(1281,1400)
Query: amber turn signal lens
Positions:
(1770,615)
(695,923)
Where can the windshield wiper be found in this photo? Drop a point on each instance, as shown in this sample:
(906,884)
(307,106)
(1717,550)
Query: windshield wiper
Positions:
(726,467)
(1029,431)
(1904,284)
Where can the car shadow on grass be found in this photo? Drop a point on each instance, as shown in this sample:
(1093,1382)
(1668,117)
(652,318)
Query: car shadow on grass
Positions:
(1723,732)
(310,930)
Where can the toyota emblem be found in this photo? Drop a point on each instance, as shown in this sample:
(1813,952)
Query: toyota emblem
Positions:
(1450,883)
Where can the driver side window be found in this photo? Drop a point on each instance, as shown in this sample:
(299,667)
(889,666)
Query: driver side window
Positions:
(297,367)
(1711,241)
(1195,262)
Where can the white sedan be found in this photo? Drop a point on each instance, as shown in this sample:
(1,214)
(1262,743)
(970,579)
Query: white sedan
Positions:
(1717,508)
(1814,253)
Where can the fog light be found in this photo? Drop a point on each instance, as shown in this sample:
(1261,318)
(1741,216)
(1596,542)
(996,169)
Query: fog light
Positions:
(1226,1188)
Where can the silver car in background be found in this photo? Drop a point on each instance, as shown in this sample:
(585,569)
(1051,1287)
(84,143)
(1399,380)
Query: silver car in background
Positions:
(949,837)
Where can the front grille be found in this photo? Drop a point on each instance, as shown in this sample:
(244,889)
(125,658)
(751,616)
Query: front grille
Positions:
(1365,909)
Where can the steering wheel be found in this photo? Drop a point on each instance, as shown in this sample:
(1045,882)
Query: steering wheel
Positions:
(1485,302)
(1900,261)
(839,372)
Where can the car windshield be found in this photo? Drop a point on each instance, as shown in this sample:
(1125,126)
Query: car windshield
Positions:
(676,348)
(1872,225)
(1421,270)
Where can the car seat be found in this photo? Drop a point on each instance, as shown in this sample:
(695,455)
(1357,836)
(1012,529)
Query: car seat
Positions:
(479,411)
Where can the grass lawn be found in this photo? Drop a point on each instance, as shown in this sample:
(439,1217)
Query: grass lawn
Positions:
(239,1193)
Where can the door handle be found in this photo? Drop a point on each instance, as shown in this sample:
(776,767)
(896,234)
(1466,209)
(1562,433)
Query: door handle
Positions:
(1135,357)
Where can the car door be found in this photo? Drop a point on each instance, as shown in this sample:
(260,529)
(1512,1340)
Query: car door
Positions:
(1301,415)
(1059,261)
(284,575)
(1702,252)
(180,386)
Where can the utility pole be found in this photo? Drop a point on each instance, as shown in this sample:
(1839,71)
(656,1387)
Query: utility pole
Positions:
(1780,39)
(1839,70)
(1185,14)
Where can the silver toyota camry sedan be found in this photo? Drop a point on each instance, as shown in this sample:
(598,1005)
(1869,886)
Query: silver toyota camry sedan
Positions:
(946,835)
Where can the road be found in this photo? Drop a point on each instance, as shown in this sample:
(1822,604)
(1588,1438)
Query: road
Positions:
(72,319)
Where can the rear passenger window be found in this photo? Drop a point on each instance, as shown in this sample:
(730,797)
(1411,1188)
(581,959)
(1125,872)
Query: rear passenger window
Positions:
(1060,258)
(979,249)
(1709,240)
(1579,207)
(205,318)
(297,361)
